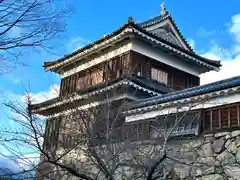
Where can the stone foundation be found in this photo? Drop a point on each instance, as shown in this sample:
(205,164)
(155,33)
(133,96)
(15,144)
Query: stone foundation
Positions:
(210,157)
(219,157)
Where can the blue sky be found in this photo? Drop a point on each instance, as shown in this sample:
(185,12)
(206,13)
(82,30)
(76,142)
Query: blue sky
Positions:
(204,22)
(212,27)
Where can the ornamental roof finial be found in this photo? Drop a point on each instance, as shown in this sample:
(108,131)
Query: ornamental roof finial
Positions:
(130,19)
(163,9)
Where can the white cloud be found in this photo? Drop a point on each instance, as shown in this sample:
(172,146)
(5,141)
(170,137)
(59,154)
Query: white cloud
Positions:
(191,42)
(76,43)
(25,156)
(235,27)
(39,97)
(230,57)
(230,68)
(203,32)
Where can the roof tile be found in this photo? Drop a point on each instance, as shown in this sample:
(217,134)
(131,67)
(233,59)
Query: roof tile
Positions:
(172,96)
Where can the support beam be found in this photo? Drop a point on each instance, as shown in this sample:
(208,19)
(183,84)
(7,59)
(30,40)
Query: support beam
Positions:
(211,120)
(219,118)
(203,120)
(238,118)
(229,120)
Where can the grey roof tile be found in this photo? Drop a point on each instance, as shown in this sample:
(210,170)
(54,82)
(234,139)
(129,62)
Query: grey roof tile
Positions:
(198,90)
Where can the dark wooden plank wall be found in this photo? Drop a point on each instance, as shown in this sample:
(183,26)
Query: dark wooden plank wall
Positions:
(127,63)
(51,133)
(177,80)
(214,119)
(97,121)
(112,69)
(226,116)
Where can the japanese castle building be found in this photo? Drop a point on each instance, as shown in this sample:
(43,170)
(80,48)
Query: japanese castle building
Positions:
(152,67)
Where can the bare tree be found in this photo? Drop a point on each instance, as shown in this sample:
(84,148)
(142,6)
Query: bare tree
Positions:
(28,25)
(95,143)
(92,141)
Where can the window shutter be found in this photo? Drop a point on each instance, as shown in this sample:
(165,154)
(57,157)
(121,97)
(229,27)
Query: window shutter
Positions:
(159,75)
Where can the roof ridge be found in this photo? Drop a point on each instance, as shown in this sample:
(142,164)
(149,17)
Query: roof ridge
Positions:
(157,19)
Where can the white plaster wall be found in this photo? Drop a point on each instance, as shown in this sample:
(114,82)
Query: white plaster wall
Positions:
(140,47)
(159,55)
(99,59)
(227,99)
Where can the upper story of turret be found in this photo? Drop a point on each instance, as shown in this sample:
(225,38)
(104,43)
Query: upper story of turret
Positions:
(154,49)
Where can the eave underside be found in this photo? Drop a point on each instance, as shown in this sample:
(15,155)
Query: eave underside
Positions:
(132,88)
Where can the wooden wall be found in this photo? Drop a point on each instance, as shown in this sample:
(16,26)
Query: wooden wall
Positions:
(127,63)
(111,69)
(66,129)
(51,132)
(227,116)
(177,80)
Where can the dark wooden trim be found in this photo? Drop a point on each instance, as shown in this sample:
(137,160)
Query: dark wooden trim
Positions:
(112,69)
(211,120)
(229,118)
(219,116)
(238,118)
(203,120)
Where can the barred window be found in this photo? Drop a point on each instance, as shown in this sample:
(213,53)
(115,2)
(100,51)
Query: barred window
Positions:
(159,75)
(222,117)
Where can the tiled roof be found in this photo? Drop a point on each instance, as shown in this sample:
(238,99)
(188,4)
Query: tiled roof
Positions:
(199,90)
(161,33)
(135,29)
(153,21)
(106,37)
(142,83)
(209,61)
(161,18)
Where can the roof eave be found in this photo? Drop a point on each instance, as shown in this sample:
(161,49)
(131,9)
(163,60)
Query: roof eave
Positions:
(211,88)
(48,66)
(200,59)
(182,101)
(129,81)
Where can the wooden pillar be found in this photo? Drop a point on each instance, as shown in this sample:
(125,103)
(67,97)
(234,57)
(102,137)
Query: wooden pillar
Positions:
(229,120)
(61,87)
(219,118)
(203,120)
(238,118)
(211,119)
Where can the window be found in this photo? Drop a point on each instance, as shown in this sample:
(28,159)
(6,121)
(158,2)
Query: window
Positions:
(159,75)
(222,117)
